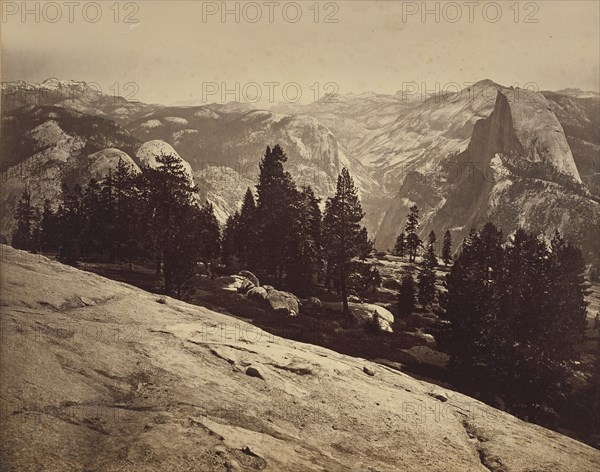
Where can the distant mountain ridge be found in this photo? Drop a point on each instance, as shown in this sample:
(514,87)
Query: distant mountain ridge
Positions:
(399,151)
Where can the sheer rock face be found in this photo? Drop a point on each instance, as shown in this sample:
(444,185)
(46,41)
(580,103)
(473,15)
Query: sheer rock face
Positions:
(224,147)
(517,170)
(98,375)
(524,125)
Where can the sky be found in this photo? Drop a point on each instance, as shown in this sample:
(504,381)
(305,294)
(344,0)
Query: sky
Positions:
(179,52)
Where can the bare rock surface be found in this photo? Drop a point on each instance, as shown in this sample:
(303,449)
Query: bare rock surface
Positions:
(129,384)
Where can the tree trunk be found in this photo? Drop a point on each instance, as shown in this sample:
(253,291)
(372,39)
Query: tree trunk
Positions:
(345,308)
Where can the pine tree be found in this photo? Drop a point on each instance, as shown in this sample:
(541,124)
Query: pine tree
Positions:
(472,306)
(276,195)
(208,233)
(447,248)
(305,249)
(172,206)
(413,242)
(92,216)
(516,311)
(24,214)
(71,223)
(400,245)
(427,273)
(343,214)
(48,227)
(229,247)
(406,295)
(365,245)
(248,232)
(123,220)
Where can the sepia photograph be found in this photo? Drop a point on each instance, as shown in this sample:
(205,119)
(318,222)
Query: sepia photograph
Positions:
(294,236)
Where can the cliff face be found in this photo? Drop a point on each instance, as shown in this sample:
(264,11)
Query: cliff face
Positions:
(98,375)
(517,170)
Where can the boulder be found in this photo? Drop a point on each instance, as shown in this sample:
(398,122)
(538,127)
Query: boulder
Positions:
(258,294)
(428,356)
(283,302)
(250,276)
(234,283)
(364,313)
(354,299)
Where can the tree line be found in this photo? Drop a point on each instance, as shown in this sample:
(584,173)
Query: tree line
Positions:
(153,215)
(279,233)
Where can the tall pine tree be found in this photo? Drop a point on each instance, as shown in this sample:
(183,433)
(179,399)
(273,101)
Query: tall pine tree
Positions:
(413,242)
(343,214)
(447,248)
(400,245)
(22,237)
(276,194)
(427,273)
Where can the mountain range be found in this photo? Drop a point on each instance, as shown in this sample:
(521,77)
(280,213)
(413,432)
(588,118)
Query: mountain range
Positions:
(488,152)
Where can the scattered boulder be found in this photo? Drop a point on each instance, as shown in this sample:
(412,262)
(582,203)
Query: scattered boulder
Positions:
(283,302)
(234,283)
(368,371)
(268,287)
(365,313)
(87,301)
(258,294)
(354,299)
(250,276)
(438,396)
(253,371)
(428,356)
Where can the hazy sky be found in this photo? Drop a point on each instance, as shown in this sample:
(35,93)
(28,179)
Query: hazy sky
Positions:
(175,53)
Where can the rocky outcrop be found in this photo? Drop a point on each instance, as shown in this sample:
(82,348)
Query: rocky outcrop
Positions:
(282,302)
(234,283)
(150,151)
(258,294)
(126,383)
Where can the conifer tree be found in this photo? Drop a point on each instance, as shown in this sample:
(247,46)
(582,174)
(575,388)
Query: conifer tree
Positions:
(365,245)
(343,214)
(172,206)
(71,222)
(305,251)
(208,233)
(22,237)
(48,227)
(413,242)
(447,248)
(93,219)
(229,247)
(276,194)
(400,245)
(248,232)
(427,273)
(406,294)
